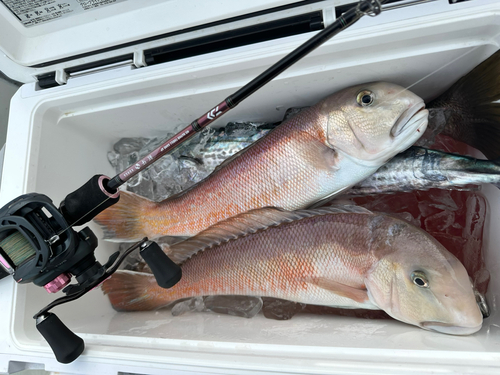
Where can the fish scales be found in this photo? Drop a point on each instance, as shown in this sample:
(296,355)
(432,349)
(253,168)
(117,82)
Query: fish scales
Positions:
(289,183)
(350,130)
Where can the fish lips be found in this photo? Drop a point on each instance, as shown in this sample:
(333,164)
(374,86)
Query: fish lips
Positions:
(450,329)
(415,115)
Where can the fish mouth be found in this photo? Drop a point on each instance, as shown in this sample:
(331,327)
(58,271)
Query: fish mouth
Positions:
(450,329)
(412,116)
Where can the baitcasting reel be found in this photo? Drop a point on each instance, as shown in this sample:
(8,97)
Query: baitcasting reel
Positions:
(38,246)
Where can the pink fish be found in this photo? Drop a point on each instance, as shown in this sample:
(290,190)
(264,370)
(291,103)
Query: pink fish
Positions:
(348,258)
(320,152)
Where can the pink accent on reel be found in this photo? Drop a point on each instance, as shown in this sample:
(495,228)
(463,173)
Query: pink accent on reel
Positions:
(5,263)
(58,283)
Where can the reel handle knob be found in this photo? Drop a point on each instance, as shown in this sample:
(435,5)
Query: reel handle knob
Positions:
(65,344)
(166,272)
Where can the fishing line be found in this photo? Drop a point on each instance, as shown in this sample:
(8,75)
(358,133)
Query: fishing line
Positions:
(43,258)
(76,221)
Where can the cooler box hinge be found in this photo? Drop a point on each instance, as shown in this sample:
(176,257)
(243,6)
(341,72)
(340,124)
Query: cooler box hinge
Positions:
(238,37)
(60,77)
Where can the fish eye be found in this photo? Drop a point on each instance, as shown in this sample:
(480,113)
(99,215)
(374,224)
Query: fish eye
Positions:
(365,98)
(419,279)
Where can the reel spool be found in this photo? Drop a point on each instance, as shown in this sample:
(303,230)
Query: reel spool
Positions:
(38,246)
(17,248)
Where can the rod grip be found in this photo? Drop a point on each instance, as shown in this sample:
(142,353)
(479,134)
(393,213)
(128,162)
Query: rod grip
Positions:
(166,272)
(65,344)
(85,203)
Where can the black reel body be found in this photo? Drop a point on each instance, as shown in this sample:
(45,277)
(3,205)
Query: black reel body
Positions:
(38,246)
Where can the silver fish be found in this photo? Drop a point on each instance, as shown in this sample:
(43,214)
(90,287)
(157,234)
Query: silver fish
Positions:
(224,143)
(421,169)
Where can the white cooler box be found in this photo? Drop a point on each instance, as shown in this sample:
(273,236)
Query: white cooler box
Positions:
(81,95)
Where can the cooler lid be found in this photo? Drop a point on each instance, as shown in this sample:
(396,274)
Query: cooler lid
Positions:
(49,41)
(41,33)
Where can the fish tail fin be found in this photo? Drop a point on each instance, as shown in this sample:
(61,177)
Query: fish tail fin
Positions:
(124,220)
(474,118)
(132,291)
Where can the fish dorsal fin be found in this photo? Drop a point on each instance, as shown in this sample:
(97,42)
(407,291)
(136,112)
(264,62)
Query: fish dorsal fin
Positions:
(248,223)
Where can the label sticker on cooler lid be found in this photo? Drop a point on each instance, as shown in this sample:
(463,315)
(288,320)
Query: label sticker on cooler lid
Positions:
(36,12)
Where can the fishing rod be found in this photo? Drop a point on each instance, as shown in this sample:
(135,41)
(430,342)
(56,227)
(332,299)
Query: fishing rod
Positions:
(39,245)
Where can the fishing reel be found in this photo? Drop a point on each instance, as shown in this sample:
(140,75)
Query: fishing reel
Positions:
(37,245)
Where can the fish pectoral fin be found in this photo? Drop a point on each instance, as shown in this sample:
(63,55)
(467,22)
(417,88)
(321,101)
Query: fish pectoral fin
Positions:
(328,198)
(358,295)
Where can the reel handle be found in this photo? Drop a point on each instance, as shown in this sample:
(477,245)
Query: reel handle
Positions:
(166,272)
(65,344)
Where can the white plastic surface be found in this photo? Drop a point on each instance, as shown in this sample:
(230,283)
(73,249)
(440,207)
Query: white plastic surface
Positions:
(7,89)
(59,137)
